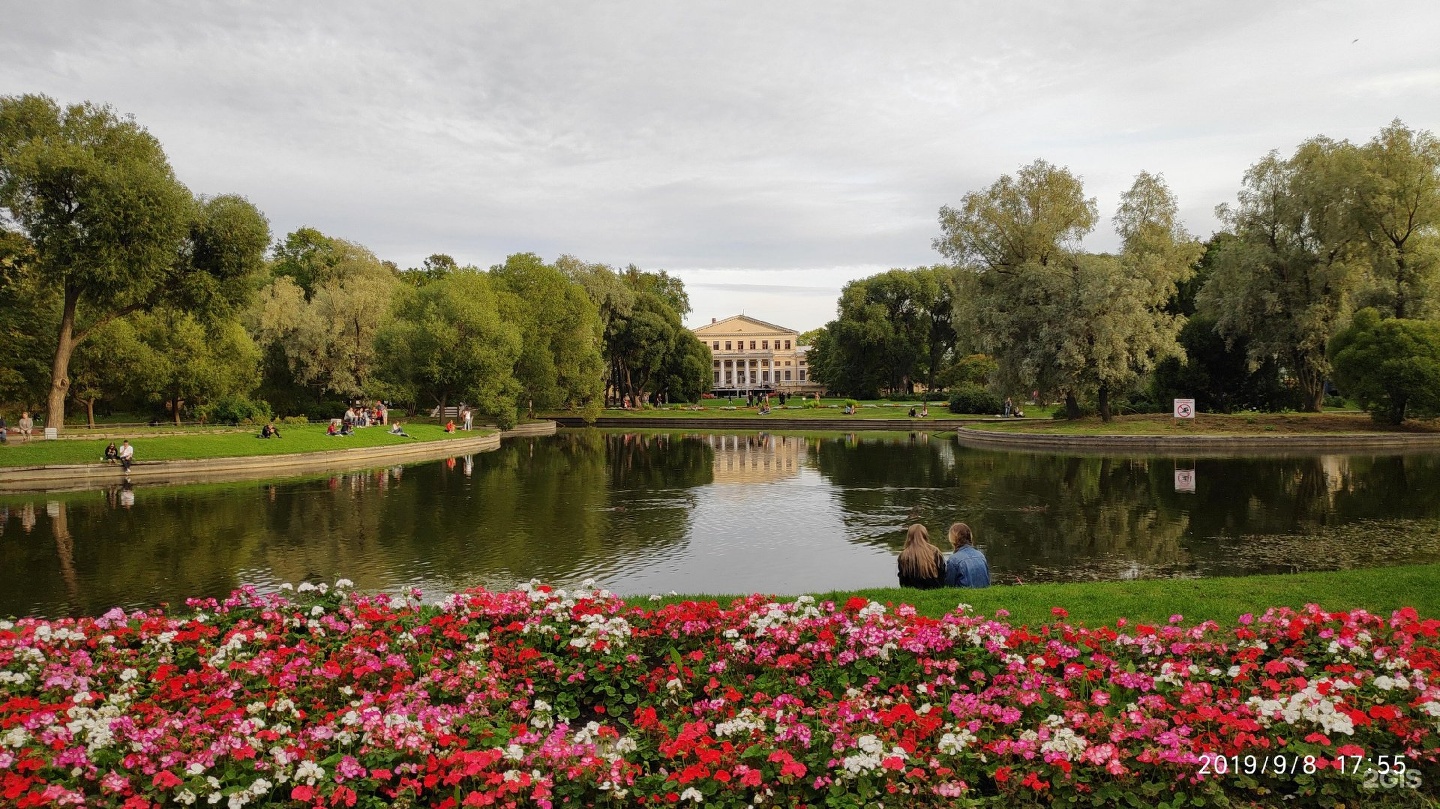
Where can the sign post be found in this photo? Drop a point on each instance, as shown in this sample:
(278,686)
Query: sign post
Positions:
(1184,408)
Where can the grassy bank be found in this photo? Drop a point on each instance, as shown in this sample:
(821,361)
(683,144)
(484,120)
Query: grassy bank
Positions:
(1378,590)
(230,444)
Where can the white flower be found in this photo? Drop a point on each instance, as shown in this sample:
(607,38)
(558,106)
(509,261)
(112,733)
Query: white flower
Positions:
(692,794)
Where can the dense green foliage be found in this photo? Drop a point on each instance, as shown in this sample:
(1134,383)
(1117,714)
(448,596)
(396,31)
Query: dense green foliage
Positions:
(895,330)
(127,292)
(107,229)
(1391,367)
(1058,320)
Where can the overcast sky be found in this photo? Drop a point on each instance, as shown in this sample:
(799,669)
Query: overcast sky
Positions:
(766,153)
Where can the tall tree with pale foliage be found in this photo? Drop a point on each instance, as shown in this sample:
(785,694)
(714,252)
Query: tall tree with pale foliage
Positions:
(1286,281)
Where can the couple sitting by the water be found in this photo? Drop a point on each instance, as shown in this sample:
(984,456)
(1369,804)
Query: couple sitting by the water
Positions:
(923,566)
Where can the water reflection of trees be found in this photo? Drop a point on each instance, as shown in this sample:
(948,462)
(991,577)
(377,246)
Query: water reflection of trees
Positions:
(559,508)
(1042,516)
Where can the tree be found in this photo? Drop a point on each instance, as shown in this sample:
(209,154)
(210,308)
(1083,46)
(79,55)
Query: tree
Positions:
(560,363)
(325,334)
(435,267)
(449,342)
(1011,236)
(1118,327)
(1397,209)
(112,229)
(185,362)
(1391,367)
(1056,319)
(1286,279)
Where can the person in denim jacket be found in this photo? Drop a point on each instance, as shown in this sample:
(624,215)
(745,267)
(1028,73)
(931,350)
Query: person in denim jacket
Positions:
(966,567)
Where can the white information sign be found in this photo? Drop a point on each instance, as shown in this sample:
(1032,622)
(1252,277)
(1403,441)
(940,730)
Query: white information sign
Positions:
(1184,408)
(1185,480)
(52,433)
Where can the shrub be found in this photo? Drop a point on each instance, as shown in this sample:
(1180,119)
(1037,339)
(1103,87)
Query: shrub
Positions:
(236,410)
(973,399)
(299,420)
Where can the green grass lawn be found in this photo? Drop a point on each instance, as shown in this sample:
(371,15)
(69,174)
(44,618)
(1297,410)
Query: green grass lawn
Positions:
(1379,590)
(229,444)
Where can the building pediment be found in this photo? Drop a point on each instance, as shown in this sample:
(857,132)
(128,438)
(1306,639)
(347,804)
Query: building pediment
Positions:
(741,324)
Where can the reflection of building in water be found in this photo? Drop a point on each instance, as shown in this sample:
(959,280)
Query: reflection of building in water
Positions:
(756,458)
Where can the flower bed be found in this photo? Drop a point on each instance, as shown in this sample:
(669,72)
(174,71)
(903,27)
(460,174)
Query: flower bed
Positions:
(541,698)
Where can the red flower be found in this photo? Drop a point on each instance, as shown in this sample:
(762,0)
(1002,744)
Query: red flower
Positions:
(1002,775)
(166,780)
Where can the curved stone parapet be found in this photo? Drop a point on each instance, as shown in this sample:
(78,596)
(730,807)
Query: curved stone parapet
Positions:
(1202,445)
(255,467)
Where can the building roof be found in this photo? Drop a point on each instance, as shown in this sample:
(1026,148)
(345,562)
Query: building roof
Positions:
(746,318)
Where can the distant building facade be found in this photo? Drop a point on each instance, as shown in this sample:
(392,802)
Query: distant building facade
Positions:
(752,356)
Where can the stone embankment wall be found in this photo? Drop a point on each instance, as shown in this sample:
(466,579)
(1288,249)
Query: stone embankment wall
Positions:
(255,467)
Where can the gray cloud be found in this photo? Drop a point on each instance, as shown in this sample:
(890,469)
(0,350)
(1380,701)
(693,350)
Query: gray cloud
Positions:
(704,135)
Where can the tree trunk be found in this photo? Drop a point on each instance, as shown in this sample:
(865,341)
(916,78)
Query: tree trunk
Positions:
(1312,385)
(1072,407)
(60,369)
(1397,410)
(1104,403)
(1400,287)
(90,413)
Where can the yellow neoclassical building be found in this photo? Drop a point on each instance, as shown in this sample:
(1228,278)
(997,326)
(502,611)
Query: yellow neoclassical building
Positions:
(752,356)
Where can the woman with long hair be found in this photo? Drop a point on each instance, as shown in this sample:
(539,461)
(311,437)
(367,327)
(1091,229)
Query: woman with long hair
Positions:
(921,564)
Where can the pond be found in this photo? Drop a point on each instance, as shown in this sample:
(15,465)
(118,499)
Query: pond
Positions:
(715,513)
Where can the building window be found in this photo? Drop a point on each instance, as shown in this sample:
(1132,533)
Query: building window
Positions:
(787,362)
(787,345)
(752,345)
(764,376)
(787,376)
(752,377)
(717,363)
(727,345)
(717,377)
(802,374)
(765,344)
(717,345)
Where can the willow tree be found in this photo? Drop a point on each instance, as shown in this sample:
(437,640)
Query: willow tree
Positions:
(320,314)
(1120,327)
(111,228)
(1396,206)
(1020,238)
(1285,282)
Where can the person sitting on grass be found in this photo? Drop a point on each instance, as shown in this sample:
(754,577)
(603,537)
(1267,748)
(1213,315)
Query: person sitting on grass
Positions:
(270,431)
(399,429)
(111,453)
(25,425)
(921,564)
(925,410)
(347,429)
(966,567)
(334,428)
(450,426)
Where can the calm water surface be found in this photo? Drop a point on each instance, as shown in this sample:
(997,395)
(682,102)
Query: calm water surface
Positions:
(716,513)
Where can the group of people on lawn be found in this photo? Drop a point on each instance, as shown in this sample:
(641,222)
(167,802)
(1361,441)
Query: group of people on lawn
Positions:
(357,416)
(23,428)
(924,567)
